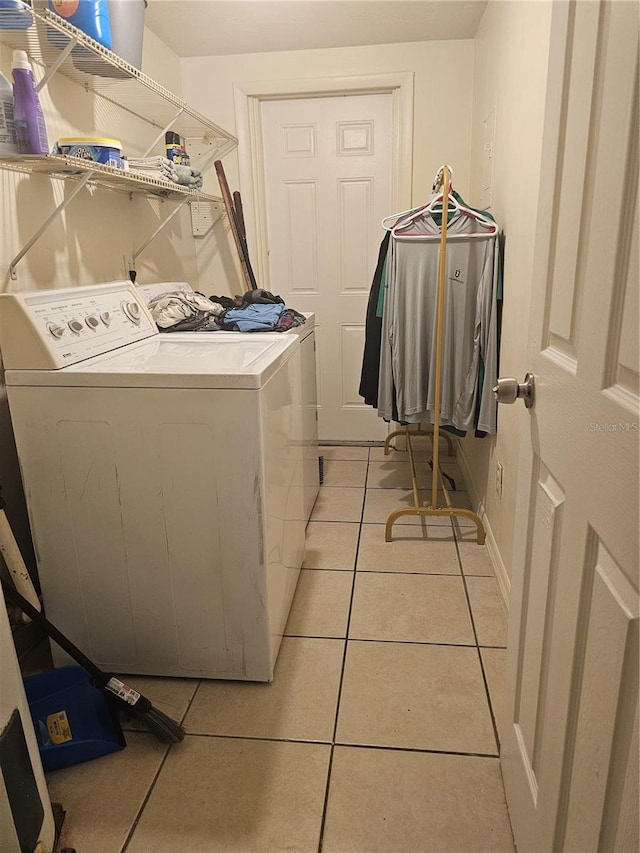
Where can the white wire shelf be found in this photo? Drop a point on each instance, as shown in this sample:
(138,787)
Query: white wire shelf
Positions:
(59,47)
(75,168)
(110,77)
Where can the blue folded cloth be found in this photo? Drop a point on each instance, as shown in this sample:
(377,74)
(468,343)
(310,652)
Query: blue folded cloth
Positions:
(255,318)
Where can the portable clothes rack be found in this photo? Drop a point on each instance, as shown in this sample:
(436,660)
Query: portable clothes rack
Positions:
(442,180)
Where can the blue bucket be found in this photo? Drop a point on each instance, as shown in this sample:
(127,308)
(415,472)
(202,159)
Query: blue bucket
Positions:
(72,720)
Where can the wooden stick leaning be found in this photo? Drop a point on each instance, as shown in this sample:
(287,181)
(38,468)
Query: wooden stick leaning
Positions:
(245,264)
(237,207)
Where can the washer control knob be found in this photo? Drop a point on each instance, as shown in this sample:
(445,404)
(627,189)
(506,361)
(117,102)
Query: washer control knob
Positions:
(132,311)
(55,330)
(75,326)
(92,322)
(106,318)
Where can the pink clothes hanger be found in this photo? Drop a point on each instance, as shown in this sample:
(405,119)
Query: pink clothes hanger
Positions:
(435,206)
(397,223)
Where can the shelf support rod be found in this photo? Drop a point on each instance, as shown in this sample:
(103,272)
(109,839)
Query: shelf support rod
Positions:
(163,131)
(160,227)
(53,215)
(48,74)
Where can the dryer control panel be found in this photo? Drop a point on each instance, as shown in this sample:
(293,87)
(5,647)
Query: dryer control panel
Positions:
(49,329)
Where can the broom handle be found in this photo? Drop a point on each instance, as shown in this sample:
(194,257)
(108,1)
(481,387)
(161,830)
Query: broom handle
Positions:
(64,642)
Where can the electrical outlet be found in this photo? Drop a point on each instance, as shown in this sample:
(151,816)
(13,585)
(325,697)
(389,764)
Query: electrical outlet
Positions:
(499,479)
(127,265)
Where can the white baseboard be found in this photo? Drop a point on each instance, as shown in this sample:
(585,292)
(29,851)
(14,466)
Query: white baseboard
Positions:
(499,569)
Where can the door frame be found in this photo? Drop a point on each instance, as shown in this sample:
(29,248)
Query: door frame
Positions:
(248,98)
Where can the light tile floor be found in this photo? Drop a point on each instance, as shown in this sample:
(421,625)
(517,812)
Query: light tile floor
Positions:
(379,732)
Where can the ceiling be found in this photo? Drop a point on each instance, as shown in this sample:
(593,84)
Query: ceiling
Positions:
(224,27)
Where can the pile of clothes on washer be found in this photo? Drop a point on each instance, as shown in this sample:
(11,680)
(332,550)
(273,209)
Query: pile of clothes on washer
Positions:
(255,311)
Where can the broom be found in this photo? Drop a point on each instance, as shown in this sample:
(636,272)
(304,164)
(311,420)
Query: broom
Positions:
(163,727)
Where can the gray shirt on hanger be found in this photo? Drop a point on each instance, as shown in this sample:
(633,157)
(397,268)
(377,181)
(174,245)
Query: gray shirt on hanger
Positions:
(407,358)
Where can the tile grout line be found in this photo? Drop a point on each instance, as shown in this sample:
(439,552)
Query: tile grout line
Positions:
(147,796)
(469,645)
(349,745)
(481,662)
(475,645)
(156,776)
(154,781)
(400,572)
(344,659)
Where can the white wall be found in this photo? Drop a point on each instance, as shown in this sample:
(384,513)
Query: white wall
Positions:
(86,243)
(510,74)
(443,74)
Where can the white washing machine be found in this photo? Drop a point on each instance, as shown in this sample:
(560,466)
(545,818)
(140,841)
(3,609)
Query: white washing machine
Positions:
(307,339)
(163,479)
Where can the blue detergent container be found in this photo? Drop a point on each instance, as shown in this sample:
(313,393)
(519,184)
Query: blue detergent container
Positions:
(71,718)
(90,16)
(15,15)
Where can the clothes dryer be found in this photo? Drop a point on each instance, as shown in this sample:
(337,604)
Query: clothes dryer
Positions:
(163,479)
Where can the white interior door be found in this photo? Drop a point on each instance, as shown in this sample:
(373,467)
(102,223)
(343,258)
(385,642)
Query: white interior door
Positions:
(570,754)
(328,167)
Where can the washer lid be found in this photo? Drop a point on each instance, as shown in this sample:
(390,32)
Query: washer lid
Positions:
(165,362)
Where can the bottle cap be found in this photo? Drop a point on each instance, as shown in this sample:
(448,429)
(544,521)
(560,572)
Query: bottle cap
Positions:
(21,60)
(172,138)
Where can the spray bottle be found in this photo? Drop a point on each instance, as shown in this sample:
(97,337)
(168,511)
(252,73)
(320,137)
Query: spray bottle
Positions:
(31,133)
(8,144)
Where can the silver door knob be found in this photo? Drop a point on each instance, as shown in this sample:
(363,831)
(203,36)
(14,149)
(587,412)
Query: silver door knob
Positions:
(508,390)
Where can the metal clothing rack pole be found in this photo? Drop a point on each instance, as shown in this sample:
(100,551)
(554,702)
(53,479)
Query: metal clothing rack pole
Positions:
(434,509)
(418,431)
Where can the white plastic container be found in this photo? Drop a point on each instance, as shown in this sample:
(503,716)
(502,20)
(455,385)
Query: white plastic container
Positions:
(8,143)
(127,33)
(127,29)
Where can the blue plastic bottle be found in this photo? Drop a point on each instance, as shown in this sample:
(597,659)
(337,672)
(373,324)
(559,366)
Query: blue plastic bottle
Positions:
(31,133)
(90,16)
(15,15)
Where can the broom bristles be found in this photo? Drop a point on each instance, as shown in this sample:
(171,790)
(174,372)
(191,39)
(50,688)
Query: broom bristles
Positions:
(162,726)
(130,701)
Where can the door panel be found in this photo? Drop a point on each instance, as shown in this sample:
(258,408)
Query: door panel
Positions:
(570,769)
(327,164)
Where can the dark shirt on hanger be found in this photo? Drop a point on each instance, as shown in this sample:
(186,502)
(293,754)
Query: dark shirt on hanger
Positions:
(373,334)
